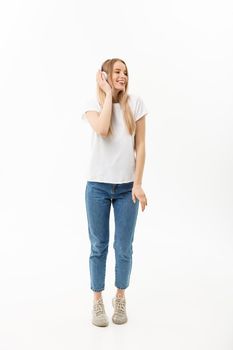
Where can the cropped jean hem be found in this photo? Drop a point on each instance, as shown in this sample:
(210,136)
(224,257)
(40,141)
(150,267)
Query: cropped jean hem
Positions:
(97,290)
(121,287)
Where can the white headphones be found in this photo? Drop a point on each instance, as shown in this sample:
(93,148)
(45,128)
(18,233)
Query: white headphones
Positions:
(105,75)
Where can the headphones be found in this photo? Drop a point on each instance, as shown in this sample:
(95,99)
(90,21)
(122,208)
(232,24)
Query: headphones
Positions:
(105,74)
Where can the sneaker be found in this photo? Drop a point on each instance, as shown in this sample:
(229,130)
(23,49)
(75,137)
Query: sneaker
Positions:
(119,316)
(99,317)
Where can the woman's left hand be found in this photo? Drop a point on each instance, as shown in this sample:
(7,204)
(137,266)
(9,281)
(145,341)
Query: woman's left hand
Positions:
(138,193)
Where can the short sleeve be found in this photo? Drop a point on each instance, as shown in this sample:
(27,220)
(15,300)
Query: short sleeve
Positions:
(140,108)
(90,105)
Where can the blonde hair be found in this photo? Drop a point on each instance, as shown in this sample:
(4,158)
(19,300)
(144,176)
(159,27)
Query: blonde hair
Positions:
(130,123)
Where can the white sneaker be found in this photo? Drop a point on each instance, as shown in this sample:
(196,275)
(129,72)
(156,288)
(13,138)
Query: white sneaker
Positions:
(119,316)
(99,317)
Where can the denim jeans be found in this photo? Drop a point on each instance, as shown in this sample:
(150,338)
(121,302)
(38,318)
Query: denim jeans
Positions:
(98,198)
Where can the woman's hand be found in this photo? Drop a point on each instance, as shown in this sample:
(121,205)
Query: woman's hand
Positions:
(103,84)
(138,193)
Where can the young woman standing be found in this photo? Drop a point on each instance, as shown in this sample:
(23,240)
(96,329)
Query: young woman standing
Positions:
(114,178)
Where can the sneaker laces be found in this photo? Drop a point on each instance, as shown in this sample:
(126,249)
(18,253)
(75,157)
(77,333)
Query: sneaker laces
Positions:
(120,305)
(99,307)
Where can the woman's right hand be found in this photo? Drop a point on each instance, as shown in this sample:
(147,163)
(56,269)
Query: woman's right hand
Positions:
(103,84)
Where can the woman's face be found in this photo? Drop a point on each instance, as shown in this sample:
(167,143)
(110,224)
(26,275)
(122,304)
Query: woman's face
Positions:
(119,76)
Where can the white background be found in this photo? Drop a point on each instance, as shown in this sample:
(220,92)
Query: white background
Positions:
(179,55)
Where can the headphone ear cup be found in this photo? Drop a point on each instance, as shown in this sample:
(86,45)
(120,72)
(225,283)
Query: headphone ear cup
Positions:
(105,75)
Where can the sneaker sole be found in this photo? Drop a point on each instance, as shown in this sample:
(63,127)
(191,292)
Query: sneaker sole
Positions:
(100,325)
(119,322)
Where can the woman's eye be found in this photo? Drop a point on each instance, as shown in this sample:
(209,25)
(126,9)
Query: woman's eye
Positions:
(119,72)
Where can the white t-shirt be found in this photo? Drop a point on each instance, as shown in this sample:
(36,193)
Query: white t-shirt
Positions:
(113,157)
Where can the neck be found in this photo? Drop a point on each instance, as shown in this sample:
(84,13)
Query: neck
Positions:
(115,96)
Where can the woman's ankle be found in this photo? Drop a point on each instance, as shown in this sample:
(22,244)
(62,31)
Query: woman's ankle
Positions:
(97,296)
(120,293)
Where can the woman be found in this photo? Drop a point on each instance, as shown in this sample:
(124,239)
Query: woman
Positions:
(114,177)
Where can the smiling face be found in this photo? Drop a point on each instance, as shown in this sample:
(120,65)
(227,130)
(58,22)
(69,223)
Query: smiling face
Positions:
(119,76)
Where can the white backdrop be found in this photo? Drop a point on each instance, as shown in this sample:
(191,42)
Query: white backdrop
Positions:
(179,55)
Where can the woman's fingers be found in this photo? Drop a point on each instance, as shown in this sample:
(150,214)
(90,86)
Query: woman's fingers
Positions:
(143,203)
(138,193)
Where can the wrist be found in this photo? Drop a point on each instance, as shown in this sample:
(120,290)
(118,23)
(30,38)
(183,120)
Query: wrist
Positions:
(137,185)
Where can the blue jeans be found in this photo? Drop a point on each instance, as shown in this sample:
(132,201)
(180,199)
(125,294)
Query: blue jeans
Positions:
(98,199)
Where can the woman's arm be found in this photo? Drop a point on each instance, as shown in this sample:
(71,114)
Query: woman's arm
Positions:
(140,150)
(100,122)
(137,191)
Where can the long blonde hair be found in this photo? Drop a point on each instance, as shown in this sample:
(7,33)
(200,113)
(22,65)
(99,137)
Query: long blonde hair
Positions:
(130,123)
